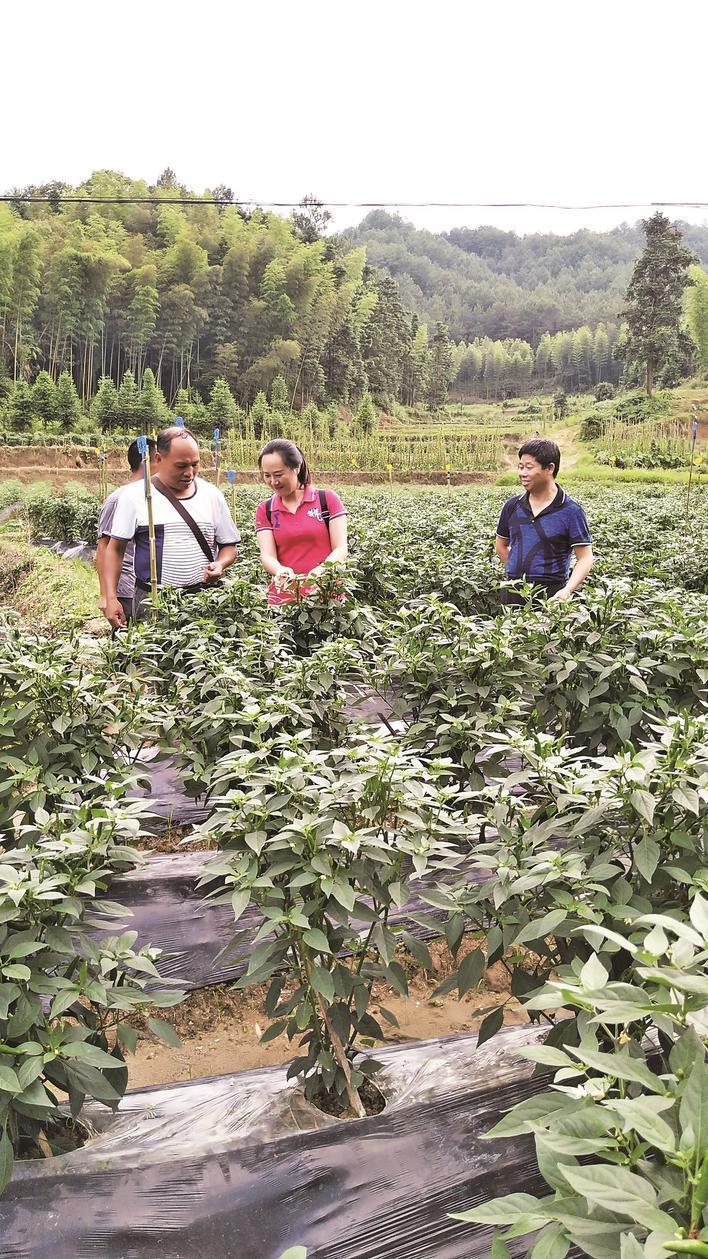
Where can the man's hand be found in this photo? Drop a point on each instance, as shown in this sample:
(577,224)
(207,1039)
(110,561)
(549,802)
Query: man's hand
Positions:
(283,578)
(562,596)
(213,572)
(114,614)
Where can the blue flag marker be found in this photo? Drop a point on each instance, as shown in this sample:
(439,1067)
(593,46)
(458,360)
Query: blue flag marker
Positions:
(142,451)
(179,422)
(695,429)
(231,476)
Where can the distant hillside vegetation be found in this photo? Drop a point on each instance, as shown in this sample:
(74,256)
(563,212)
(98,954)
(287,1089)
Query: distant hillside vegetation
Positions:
(486,282)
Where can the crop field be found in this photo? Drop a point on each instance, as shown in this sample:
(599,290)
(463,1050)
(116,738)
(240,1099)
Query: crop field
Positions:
(406,768)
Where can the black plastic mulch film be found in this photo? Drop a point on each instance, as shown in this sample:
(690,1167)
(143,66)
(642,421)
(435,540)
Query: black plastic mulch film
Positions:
(242,1167)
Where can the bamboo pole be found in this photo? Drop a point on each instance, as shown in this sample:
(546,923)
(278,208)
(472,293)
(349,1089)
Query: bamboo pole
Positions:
(145,452)
(217,438)
(231,478)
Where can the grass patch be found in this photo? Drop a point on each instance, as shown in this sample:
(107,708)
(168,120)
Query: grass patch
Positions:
(49,592)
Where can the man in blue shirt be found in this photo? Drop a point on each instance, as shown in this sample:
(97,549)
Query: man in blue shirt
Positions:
(540,529)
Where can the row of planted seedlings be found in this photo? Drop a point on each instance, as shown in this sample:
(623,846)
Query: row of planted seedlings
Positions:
(70,976)
(264,779)
(595,852)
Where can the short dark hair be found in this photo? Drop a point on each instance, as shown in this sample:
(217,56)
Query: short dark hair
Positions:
(134,456)
(291,456)
(166,437)
(543,451)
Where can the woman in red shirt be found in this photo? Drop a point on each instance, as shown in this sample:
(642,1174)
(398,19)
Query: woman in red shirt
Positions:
(294,539)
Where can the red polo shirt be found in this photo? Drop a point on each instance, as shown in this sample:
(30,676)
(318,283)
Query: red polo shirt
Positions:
(301,537)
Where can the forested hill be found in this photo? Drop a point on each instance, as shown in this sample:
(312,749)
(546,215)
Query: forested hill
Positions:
(486,282)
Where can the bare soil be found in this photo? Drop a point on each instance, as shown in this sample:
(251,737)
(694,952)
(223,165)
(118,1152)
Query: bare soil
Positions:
(221,1026)
(57,465)
(171,840)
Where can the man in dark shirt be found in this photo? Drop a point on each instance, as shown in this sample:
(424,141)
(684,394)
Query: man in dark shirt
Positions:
(540,529)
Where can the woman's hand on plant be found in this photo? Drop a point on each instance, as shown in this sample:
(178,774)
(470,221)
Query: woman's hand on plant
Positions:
(284,577)
(316,572)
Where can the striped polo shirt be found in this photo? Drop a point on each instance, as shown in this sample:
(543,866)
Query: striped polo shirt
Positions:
(541,546)
(180,559)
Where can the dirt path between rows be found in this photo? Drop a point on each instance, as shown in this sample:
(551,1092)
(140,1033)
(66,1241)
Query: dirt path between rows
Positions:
(220,1027)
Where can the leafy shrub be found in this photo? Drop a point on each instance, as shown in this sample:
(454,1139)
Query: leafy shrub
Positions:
(63,993)
(64,725)
(632,408)
(603,391)
(322,841)
(621,1137)
(67,517)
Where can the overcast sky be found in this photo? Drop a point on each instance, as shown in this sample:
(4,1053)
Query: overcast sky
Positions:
(368,101)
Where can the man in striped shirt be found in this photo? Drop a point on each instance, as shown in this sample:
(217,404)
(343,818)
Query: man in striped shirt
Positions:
(180,559)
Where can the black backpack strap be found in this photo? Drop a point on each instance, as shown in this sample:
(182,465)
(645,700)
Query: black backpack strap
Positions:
(324,508)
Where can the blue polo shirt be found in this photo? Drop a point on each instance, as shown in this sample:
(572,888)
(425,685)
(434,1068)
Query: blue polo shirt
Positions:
(541,546)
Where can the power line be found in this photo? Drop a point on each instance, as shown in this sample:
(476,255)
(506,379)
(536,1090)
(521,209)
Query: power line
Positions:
(53,199)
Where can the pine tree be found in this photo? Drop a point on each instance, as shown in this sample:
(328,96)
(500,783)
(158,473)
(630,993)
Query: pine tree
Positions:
(20,408)
(223,411)
(655,339)
(44,398)
(68,404)
(151,408)
(105,405)
(439,368)
(128,401)
(279,400)
(259,414)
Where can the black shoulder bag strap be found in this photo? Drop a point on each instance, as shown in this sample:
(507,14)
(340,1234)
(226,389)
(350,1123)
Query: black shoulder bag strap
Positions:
(324,509)
(188,520)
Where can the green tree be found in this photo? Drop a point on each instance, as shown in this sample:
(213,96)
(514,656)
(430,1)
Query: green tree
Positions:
(44,398)
(223,410)
(128,400)
(20,411)
(259,414)
(105,409)
(600,353)
(697,313)
(68,404)
(150,408)
(655,338)
(310,220)
(194,412)
(542,361)
(279,399)
(439,369)
(366,415)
